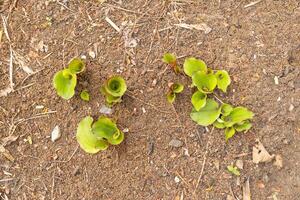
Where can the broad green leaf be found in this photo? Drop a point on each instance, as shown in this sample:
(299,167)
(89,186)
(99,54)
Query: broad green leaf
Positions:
(218,124)
(177,88)
(244,126)
(223,80)
(171,97)
(226,109)
(229,133)
(115,86)
(208,114)
(237,115)
(111,100)
(106,128)
(76,66)
(65,82)
(198,100)
(169,58)
(205,82)
(88,141)
(192,65)
(233,170)
(84,95)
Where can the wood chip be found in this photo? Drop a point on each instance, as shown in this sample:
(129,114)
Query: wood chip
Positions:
(6,154)
(108,20)
(260,154)
(200,27)
(9,139)
(246,190)
(278,161)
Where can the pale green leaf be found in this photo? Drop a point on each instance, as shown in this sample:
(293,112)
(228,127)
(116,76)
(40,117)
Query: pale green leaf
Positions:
(229,133)
(65,82)
(237,115)
(218,124)
(208,114)
(198,100)
(206,83)
(169,58)
(243,126)
(76,66)
(226,109)
(223,80)
(88,141)
(192,65)
(84,95)
(233,170)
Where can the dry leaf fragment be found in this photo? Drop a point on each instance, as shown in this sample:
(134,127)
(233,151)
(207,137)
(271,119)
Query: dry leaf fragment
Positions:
(260,154)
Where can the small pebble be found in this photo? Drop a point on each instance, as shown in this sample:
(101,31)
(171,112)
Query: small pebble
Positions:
(291,108)
(55,134)
(39,107)
(105,110)
(279,99)
(92,54)
(175,143)
(83,57)
(276,80)
(177,179)
(125,130)
(144,110)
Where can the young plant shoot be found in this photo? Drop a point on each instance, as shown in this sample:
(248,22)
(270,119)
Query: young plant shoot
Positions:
(84,95)
(96,136)
(174,89)
(113,90)
(206,111)
(65,81)
(172,61)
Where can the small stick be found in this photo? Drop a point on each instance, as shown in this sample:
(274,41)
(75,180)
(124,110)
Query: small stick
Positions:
(53,184)
(65,161)
(6,180)
(252,3)
(123,9)
(204,160)
(112,24)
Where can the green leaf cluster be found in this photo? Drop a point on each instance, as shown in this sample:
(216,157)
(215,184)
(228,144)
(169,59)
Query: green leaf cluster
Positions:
(96,136)
(233,170)
(175,88)
(113,90)
(65,81)
(206,111)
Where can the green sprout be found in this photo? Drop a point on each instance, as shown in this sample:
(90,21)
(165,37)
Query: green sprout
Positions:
(233,170)
(206,111)
(174,89)
(113,90)
(84,95)
(65,81)
(95,137)
(172,61)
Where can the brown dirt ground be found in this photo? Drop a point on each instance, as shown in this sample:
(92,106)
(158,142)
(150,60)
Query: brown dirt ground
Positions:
(254,44)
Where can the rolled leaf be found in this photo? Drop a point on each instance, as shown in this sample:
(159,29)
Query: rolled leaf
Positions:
(87,140)
(198,100)
(218,124)
(229,133)
(208,114)
(223,80)
(171,97)
(76,66)
(177,88)
(115,86)
(206,83)
(192,65)
(84,95)
(65,82)
(169,58)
